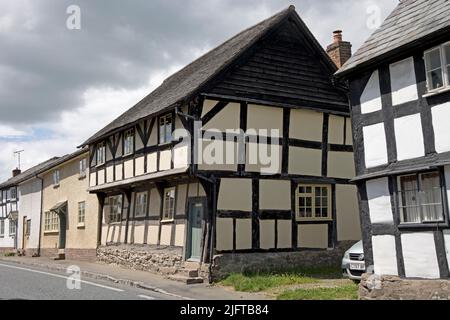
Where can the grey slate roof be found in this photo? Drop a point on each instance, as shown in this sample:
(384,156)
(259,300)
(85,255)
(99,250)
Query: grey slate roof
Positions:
(28,174)
(410,21)
(40,168)
(185,83)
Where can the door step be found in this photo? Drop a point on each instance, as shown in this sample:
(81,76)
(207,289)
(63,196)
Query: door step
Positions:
(185,279)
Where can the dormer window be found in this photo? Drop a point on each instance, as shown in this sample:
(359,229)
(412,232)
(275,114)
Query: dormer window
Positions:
(437,63)
(101,153)
(56,178)
(83,167)
(165,129)
(13,194)
(128,142)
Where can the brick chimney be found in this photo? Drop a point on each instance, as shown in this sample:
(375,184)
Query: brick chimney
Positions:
(339,51)
(16,172)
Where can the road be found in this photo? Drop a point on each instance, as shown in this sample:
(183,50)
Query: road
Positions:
(21,282)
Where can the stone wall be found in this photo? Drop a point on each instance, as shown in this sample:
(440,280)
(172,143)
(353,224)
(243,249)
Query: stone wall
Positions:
(374,287)
(7,250)
(163,260)
(225,264)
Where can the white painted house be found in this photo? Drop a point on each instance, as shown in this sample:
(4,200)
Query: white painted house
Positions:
(20,210)
(400,108)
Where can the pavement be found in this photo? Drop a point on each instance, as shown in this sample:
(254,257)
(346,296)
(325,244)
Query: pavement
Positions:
(45,278)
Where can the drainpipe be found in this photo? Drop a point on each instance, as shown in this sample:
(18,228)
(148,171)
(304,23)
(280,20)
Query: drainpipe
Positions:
(40,216)
(213,226)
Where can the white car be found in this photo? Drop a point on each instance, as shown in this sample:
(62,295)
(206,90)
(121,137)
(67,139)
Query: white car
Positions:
(353,264)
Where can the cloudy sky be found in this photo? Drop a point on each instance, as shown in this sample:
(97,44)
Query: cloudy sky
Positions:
(59,86)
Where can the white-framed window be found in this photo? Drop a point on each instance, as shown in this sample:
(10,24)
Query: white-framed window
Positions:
(13,193)
(83,167)
(81,213)
(437,64)
(141,204)
(28,227)
(420,198)
(169,204)
(12,228)
(56,177)
(101,153)
(113,206)
(165,129)
(2,228)
(313,202)
(51,221)
(128,142)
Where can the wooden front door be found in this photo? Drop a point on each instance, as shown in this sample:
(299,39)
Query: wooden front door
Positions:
(196,215)
(25,233)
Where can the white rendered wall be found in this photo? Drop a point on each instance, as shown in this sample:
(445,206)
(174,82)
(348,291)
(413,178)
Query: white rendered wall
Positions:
(419,255)
(375,149)
(440,115)
(403,82)
(384,255)
(409,137)
(371,96)
(7,241)
(30,207)
(379,200)
(447,182)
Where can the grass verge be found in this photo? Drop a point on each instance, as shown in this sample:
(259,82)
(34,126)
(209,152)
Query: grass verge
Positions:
(347,292)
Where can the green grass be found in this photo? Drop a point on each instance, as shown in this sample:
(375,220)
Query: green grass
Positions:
(347,292)
(260,281)
(9,254)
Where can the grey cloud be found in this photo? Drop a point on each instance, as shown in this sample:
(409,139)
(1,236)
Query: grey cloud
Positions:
(45,68)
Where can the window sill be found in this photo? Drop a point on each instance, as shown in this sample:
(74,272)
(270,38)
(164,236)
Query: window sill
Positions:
(100,164)
(315,220)
(55,186)
(423,225)
(82,176)
(81,226)
(436,92)
(51,233)
(167,221)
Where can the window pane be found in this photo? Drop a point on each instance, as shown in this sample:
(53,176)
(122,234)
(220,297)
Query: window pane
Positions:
(309,202)
(433,59)
(308,189)
(448,75)
(308,213)
(447,54)
(431,197)
(318,212)
(435,79)
(409,199)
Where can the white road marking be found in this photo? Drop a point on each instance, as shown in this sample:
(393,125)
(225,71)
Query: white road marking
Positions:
(143,296)
(63,277)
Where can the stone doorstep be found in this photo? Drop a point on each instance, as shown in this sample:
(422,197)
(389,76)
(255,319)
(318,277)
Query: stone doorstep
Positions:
(97,276)
(186,279)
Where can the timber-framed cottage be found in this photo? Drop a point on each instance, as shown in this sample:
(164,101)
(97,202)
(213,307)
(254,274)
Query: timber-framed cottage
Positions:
(160,195)
(400,105)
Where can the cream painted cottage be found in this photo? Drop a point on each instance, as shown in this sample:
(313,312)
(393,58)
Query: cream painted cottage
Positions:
(244,155)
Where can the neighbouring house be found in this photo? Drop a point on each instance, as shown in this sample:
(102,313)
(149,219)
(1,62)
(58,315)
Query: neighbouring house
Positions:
(400,105)
(69,213)
(20,210)
(180,193)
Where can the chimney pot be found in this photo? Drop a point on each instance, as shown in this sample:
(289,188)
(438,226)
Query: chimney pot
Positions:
(337,36)
(16,172)
(339,51)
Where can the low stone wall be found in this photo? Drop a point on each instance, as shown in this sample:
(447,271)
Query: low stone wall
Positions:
(7,250)
(374,287)
(163,260)
(224,264)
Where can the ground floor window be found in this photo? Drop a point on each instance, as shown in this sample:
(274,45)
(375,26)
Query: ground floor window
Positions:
(169,204)
(2,228)
(113,209)
(420,198)
(81,212)
(51,221)
(12,228)
(28,227)
(141,204)
(313,202)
